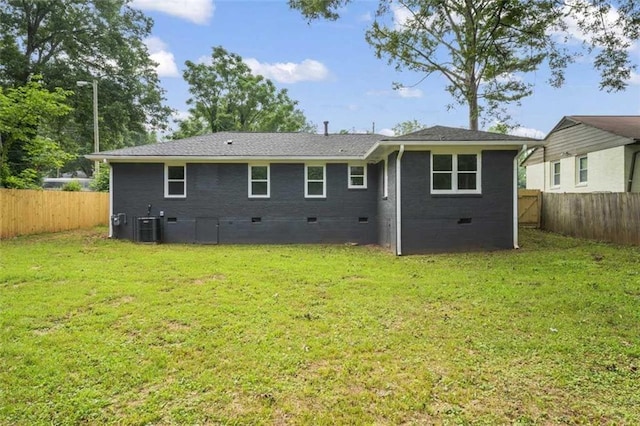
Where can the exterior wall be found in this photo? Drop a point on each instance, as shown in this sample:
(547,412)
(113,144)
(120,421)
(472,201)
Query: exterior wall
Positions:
(217,208)
(387,206)
(430,223)
(607,172)
(535,176)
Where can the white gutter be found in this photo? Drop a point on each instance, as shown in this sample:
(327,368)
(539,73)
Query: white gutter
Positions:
(110,202)
(515,197)
(399,201)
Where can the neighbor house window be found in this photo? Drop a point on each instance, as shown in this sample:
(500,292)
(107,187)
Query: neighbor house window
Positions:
(555,174)
(175,181)
(357,176)
(582,169)
(455,173)
(259,181)
(315,181)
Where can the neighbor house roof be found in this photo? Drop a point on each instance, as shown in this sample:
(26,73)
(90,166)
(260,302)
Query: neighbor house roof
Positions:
(454,134)
(627,126)
(239,146)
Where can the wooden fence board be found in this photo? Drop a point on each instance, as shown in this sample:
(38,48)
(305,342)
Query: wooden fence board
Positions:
(613,217)
(24,212)
(529,205)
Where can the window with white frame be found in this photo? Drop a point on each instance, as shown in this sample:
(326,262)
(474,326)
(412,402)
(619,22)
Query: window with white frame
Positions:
(259,181)
(555,174)
(357,176)
(315,181)
(582,167)
(455,173)
(175,181)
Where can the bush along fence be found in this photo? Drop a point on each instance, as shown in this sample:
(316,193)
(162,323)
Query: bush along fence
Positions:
(24,212)
(613,217)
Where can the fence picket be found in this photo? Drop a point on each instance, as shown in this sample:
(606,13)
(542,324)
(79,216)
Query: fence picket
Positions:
(24,212)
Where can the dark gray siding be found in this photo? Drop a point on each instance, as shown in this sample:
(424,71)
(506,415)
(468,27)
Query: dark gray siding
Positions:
(217,208)
(430,223)
(387,206)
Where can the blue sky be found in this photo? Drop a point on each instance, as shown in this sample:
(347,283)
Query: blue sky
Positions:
(333,73)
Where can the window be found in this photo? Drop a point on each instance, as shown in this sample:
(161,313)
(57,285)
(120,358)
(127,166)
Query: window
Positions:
(455,173)
(582,170)
(259,181)
(175,181)
(357,176)
(314,181)
(555,174)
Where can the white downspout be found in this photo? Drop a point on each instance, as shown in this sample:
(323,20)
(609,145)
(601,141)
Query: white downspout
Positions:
(399,202)
(515,197)
(110,202)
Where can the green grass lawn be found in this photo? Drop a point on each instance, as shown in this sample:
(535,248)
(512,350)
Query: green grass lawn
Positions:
(100,331)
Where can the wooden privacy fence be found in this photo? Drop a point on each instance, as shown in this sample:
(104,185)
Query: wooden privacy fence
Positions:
(613,217)
(31,212)
(529,207)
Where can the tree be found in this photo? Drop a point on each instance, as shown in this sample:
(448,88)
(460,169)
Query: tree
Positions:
(225,95)
(504,129)
(27,147)
(482,47)
(406,127)
(70,40)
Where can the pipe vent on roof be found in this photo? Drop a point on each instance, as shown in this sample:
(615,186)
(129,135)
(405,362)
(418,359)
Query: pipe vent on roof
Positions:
(326,128)
(228,142)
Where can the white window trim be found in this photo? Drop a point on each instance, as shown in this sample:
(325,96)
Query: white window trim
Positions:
(166,180)
(552,174)
(250,187)
(454,173)
(306,181)
(364,176)
(385,181)
(578,181)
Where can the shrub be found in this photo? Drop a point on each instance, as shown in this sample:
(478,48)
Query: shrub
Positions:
(73,186)
(100,180)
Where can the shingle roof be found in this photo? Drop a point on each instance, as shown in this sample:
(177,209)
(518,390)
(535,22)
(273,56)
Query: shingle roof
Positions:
(443,133)
(245,144)
(627,126)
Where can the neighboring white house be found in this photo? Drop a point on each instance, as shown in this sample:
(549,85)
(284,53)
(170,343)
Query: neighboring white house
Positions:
(588,153)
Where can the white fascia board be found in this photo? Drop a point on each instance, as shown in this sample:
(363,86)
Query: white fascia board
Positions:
(225,159)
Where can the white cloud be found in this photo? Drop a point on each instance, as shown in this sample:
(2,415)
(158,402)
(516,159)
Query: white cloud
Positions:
(289,72)
(196,11)
(366,17)
(159,54)
(386,132)
(180,115)
(527,132)
(634,79)
(408,92)
(400,16)
(593,17)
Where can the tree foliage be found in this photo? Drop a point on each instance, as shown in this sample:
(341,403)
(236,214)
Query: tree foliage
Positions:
(482,47)
(225,95)
(27,144)
(70,40)
(408,126)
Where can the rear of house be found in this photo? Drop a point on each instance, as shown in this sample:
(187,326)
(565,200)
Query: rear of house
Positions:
(440,189)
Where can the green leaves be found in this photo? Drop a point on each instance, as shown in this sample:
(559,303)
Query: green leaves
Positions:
(227,96)
(27,114)
(483,47)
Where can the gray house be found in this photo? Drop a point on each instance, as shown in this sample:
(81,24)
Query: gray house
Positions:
(438,189)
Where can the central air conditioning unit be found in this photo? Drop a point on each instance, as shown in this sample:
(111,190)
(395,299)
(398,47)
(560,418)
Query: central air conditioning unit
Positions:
(149,229)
